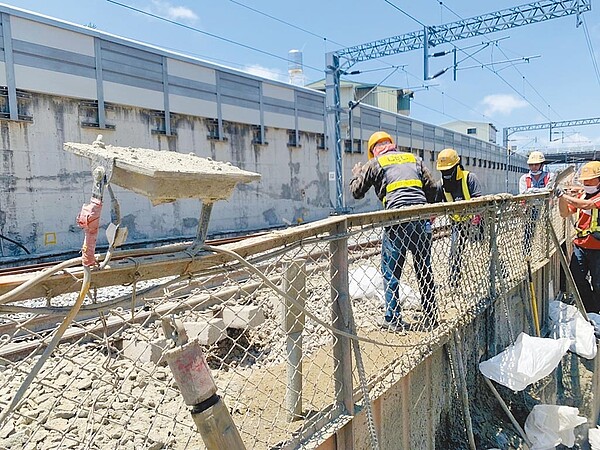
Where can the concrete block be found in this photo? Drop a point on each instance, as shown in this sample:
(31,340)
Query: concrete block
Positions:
(144,352)
(243,316)
(207,332)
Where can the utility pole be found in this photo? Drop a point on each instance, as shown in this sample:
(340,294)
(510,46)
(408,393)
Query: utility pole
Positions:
(338,62)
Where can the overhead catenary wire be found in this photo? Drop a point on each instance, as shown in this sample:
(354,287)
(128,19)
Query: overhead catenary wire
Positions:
(206,33)
(588,41)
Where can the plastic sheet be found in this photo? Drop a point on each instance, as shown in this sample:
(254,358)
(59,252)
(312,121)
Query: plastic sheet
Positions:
(569,323)
(550,425)
(367,282)
(594,438)
(528,360)
(595,318)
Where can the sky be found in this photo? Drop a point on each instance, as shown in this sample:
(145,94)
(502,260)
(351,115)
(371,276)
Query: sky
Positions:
(552,73)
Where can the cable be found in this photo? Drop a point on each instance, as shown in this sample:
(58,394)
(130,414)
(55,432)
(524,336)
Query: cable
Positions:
(16,243)
(513,65)
(206,33)
(287,23)
(405,13)
(591,49)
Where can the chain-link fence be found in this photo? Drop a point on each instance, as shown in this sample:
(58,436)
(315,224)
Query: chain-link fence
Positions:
(276,327)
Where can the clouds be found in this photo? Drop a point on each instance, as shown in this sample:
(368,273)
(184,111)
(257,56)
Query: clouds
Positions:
(172,12)
(265,72)
(502,104)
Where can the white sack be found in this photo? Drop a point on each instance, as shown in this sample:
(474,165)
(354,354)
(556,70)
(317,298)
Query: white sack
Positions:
(596,319)
(367,282)
(528,360)
(569,323)
(594,438)
(550,425)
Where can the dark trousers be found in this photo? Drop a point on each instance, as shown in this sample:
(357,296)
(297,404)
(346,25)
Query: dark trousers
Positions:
(415,237)
(583,262)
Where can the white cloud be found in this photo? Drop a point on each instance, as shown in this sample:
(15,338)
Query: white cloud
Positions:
(265,72)
(173,12)
(502,104)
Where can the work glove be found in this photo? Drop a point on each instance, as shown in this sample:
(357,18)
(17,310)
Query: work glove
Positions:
(476,220)
(558,192)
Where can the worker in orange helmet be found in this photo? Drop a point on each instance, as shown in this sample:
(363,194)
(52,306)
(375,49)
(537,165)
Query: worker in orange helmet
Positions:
(458,184)
(400,179)
(585,259)
(535,181)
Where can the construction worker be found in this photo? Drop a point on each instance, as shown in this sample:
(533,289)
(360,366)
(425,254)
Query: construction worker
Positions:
(400,179)
(458,184)
(585,259)
(533,182)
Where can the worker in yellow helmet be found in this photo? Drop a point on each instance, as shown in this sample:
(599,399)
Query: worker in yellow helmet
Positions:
(458,184)
(585,259)
(535,181)
(400,179)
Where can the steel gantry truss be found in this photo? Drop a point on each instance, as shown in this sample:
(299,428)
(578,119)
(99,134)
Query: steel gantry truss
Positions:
(506,132)
(340,61)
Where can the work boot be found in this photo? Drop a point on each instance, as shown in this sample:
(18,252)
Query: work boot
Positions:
(396,325)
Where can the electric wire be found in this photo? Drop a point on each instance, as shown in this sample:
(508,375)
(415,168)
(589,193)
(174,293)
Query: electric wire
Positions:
(590,47)
(287,23)
(525,80)
(206,33)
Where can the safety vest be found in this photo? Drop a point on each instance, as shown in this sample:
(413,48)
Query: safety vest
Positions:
(398,159)
(466,196)
(594,226)
(529,180)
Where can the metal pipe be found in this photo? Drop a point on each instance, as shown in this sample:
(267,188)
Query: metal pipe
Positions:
(294,285)
(508,413)
(464,393)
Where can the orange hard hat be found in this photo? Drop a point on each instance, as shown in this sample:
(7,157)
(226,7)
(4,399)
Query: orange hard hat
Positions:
(376,137)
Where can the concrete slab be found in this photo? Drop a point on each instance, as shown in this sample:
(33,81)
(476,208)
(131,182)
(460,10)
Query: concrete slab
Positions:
(243,316)
(207,332)
(165,176)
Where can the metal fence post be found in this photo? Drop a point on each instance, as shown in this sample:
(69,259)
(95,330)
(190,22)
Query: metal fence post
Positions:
(495,261)
(294,285)
(342,348)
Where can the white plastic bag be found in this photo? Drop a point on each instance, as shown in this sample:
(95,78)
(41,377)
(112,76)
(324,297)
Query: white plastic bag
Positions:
(367,282)
(550,425)
(569,323)
(596,319)
(594,438)
(528,360)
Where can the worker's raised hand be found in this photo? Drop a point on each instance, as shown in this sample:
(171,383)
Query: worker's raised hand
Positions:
(558,192)
(356,169)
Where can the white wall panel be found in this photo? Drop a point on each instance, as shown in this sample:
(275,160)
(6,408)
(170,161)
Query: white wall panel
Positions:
(241,115)
(27,30)
(280,92)
(129,95)
(279,120)
(48,82)
(192,106)
(191,71)
(315,126)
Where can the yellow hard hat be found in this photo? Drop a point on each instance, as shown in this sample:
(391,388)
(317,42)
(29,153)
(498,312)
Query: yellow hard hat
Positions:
(376,137)
(536,158)
(590,171)
(447,159)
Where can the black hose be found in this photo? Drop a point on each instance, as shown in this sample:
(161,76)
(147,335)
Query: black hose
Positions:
(16,243)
